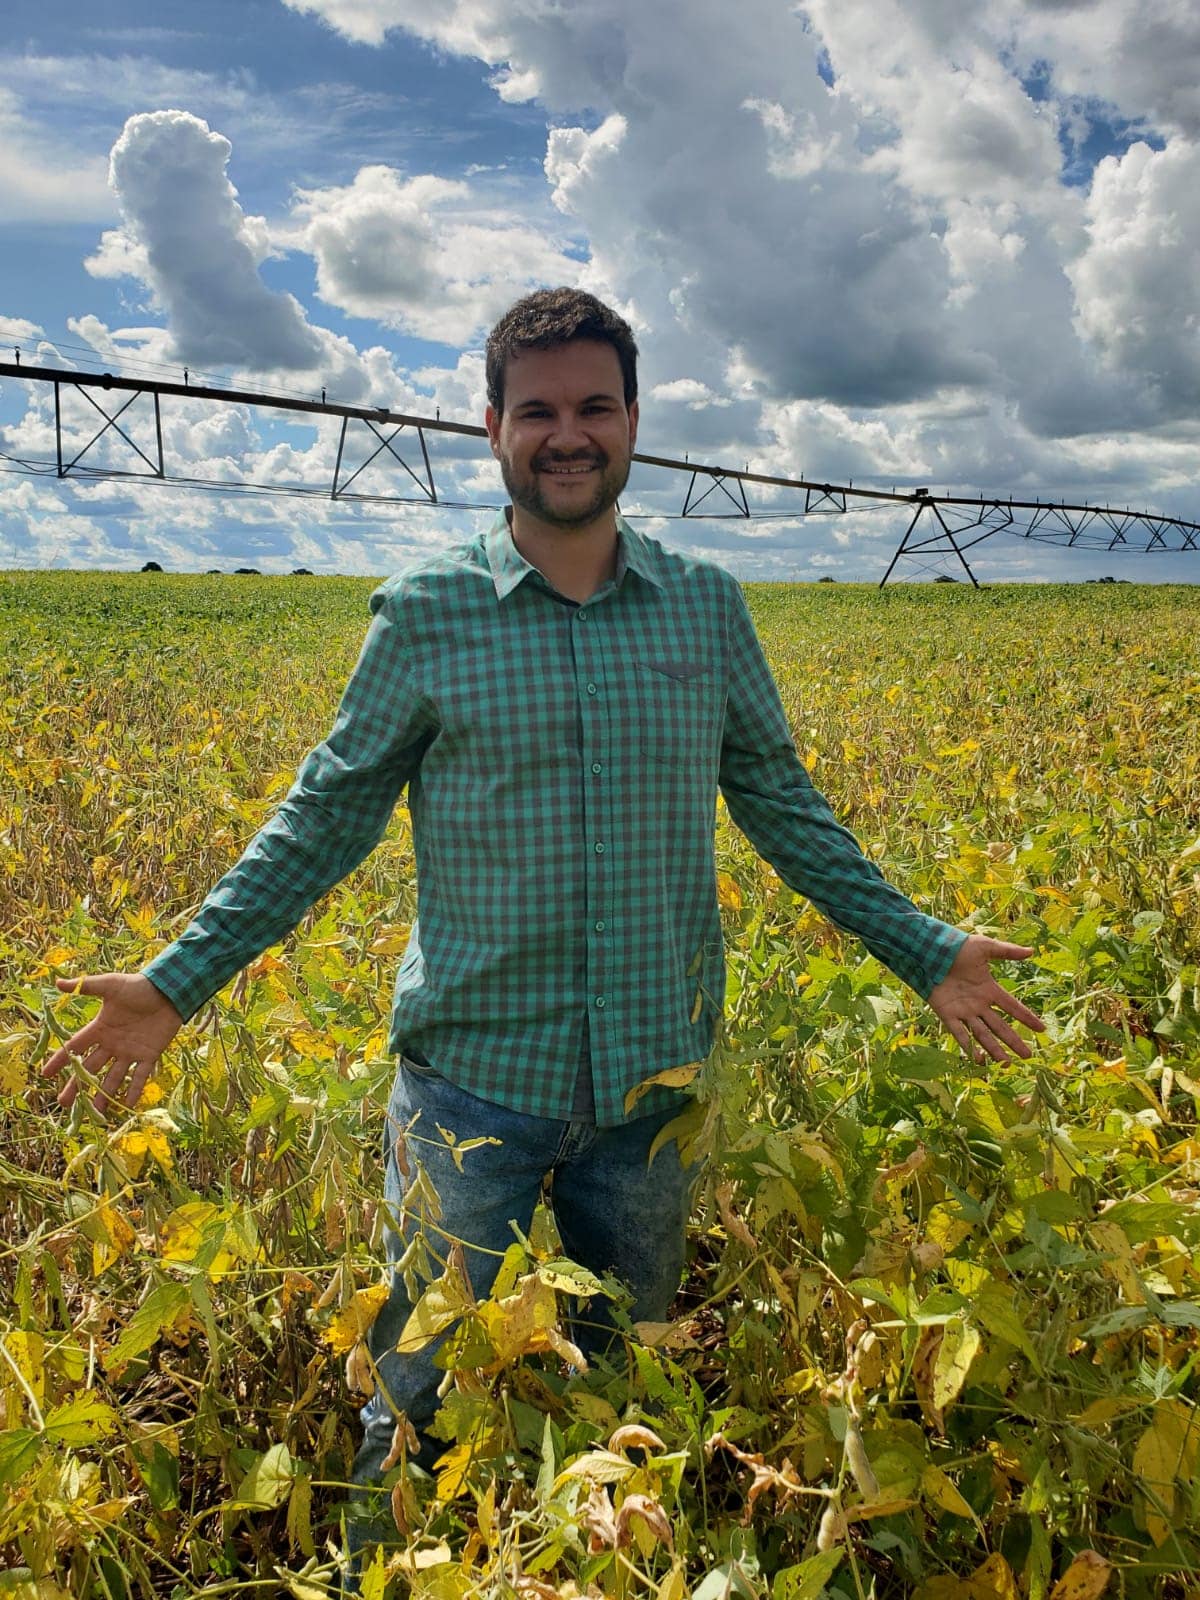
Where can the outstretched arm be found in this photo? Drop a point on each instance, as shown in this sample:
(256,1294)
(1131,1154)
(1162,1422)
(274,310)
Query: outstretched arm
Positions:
(788,821)
(334,814)
(975,1009)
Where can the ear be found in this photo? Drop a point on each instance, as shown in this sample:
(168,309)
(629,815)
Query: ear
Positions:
(633,423)
(491,421)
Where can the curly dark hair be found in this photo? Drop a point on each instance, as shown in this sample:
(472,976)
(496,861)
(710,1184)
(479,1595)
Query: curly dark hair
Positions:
(550,317)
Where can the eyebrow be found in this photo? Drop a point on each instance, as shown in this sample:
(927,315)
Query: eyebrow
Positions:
(586,401)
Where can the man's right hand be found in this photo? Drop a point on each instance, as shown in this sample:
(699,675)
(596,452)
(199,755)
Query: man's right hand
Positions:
(125,1039)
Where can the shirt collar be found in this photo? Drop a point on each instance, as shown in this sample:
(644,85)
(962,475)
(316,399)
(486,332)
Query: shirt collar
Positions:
(509,567)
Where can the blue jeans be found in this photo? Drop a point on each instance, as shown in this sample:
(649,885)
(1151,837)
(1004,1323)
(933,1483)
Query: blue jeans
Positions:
(614,1212)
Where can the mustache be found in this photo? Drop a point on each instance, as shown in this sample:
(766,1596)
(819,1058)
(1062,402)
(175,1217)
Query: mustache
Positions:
(588,458)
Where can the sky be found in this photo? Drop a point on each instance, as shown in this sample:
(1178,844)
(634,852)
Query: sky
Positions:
(947,243)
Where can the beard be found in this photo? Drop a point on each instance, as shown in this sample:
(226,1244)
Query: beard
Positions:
(525,489)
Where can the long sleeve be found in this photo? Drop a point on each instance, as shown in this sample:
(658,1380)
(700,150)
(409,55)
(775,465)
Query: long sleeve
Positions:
(773,801)
(332,817)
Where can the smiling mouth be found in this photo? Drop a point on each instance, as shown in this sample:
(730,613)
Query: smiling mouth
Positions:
(573,469)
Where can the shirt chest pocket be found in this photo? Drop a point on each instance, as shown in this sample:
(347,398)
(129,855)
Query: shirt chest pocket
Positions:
(679,707)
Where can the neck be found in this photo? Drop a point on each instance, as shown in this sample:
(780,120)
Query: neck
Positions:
(575,561)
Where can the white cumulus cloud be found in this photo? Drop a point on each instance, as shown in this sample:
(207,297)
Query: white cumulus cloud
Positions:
(424,254)
(185,234)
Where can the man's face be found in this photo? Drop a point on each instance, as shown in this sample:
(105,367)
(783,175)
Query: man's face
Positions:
(565,437)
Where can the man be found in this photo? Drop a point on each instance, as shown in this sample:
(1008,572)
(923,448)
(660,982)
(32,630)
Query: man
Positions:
(563,697)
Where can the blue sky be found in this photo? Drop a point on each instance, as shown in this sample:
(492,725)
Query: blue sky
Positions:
(904,243)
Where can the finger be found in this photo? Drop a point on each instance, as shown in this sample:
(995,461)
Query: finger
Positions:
(89,1065)
(141,1072)
(1018,1011)
(1008,1037)
(61,1058)
(69,1051)
(110,1089)
(999,950)
(987,1039)
(961,1034)
(80,985)
(94,1061)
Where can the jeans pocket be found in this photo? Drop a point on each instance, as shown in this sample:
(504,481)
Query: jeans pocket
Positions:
(419,1069)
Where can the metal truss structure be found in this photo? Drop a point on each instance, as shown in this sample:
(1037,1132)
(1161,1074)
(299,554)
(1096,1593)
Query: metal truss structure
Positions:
(941,528)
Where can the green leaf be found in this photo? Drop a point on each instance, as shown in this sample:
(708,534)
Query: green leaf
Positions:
(159,1471)
(1142,1220)
(269,1481)
(443,1303)
(1181,1314)
(374,1580)
(806,1581)
(1055,1206)
(299,1515)
(158,1311)
(81,1421)
(993,1307)
(729,1581)
(18,1450)
(1119,1321)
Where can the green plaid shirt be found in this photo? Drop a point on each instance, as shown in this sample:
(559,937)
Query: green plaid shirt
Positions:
(562,766)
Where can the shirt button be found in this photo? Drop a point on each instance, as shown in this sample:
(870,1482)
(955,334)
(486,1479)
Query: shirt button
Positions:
(596,767)
(599,926)
(581,614)
(591,688)
(599,1002)
(599,849)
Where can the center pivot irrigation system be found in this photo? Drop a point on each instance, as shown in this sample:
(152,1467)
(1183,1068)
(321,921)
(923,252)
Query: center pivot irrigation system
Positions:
(940,526)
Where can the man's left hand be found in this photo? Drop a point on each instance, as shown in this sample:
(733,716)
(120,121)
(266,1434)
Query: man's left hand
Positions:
(975,1009)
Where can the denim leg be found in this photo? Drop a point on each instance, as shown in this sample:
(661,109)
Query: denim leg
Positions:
(617,1214)
(498,1182)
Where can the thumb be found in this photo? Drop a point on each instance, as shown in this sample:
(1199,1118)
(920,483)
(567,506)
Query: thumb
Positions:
(101,985)
(999,950)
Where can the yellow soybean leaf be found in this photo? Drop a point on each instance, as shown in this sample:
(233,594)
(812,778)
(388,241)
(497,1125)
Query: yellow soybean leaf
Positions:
(111,1236)
(672,1078)
(1166,1451)
(517,1325)
(992,1581)
(485,1514)
(729,892)
(941,1490)
(453,1468)
(1085,1579)
(958,1349)
(133,1148)
(674,1585)
(1185,1150)
(994,1578)
(312,1046)
(201,1228)
(443,1303)
(27,1351)
(14,1062)
(569,1277)
(353,1320)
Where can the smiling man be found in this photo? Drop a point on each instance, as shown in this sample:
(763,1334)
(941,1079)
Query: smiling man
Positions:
(564,700)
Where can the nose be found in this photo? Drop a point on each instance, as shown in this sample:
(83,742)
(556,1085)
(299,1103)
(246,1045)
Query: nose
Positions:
(567,436)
